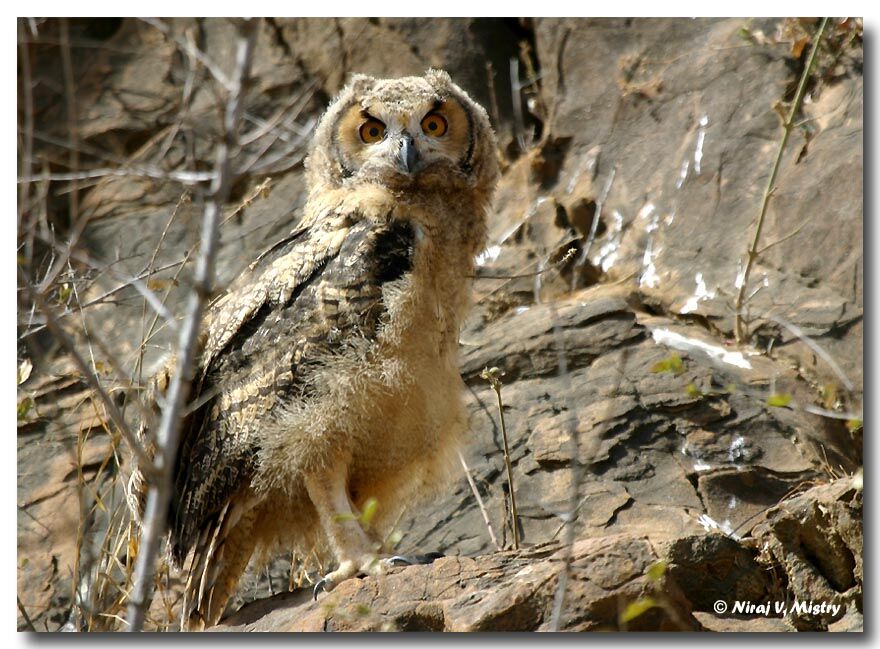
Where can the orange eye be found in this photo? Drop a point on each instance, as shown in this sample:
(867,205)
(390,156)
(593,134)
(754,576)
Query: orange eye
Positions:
(434,124)
(372,131)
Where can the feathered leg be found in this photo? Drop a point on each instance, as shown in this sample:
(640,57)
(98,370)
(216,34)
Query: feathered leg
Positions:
(354,550)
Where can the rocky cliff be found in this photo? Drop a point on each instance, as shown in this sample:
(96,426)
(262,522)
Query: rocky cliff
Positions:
(635,157)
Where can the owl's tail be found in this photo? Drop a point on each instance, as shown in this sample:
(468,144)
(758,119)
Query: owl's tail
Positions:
(221,554)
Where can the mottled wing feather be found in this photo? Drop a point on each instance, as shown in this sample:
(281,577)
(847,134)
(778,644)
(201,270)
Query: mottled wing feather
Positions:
(309,297)
(271,279)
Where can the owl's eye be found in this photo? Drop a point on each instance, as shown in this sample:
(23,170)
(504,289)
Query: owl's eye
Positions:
(434,124)
(372,131)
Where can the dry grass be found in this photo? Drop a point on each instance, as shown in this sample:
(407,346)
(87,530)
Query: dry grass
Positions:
(58,280)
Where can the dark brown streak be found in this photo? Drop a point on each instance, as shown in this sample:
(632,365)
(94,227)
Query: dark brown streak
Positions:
(466,162)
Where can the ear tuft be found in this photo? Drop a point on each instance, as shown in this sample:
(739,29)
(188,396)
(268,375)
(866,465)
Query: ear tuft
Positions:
(361,83)
(438,77)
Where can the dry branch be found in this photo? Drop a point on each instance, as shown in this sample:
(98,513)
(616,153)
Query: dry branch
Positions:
(159,494)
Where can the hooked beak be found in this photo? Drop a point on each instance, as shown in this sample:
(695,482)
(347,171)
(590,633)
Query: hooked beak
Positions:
(408,156)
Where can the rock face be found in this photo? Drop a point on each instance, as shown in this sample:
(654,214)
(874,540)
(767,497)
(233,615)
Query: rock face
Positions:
(505,591)
(635,156)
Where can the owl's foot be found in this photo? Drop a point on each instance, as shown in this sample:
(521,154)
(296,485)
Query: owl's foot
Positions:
(369,565)
(372,566)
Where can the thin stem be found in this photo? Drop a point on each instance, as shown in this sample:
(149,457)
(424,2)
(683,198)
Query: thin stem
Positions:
(24,614)
(513,511)
(467,473)
(491,375)
(576,478)
(594,226)
(27,99)
(771,181)
(516,98)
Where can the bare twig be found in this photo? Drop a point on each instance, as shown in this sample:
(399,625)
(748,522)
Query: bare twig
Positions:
(27,98)
(72,118)
(159,494)
(594,226)
(78,223)
(467,473)
(493,100)
(567,516)
(577,470)
(87,374)
(830,414)
(194,52)
(24,614)
(787,127)
(288,112)
(785,238)
(183,177)
(185,103)
(515,91)
(577,476)
(812,344)
(134,282)
(247,200)
(546,269)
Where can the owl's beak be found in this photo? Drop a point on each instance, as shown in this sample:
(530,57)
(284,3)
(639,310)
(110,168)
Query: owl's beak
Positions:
(408,157)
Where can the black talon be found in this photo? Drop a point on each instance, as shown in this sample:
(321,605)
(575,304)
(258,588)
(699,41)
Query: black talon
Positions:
(318,588)
(415,559)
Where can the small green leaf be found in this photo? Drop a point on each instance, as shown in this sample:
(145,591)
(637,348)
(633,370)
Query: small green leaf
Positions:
(344,518)
(369,512)
(637,608)
(24,407)
(671,363)
(657,570)
(363,609)
(779,400)
(829,395)
(854,425)
(394,538)
(692,390)
(64,292)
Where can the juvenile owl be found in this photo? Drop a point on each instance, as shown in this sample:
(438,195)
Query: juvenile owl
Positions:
(328,371)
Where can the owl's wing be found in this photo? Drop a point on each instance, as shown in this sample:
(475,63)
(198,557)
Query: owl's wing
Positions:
(310,294)
(271,279)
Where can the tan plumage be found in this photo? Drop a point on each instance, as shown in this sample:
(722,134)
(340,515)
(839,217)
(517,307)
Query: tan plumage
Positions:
(328,369)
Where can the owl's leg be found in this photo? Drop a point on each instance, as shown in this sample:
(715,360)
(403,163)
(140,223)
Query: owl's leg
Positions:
(351,545)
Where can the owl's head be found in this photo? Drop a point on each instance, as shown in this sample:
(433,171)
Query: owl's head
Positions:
(410,134)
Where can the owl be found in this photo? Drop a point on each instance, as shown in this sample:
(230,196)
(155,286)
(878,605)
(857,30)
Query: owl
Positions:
(328,375)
